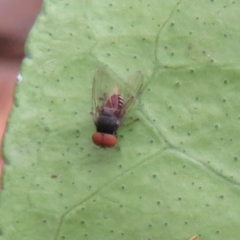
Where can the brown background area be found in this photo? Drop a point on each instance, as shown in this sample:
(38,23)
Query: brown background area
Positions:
(16,19)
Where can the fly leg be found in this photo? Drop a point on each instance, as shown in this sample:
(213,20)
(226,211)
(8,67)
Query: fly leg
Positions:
(131,121)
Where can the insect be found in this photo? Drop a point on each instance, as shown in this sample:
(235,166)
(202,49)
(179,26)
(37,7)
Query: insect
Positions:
(112,99)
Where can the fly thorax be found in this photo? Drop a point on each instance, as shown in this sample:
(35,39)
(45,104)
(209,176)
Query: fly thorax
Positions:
(107,123)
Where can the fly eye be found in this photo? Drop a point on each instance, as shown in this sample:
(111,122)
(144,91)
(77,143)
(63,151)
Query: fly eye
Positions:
(104,140)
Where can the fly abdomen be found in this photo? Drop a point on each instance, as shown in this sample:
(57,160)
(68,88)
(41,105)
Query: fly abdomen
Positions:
(120,101)
(115,102)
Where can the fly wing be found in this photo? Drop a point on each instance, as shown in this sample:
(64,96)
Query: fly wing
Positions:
(104,86)
(131,89)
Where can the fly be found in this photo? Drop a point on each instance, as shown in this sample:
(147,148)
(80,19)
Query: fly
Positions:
(112,99)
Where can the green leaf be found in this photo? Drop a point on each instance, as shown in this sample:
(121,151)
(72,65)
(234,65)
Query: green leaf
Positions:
(175,173)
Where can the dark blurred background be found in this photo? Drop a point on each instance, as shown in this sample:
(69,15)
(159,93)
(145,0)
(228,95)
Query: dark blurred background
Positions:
(16,19)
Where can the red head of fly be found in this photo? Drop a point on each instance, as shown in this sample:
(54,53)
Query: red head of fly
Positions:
(112,99)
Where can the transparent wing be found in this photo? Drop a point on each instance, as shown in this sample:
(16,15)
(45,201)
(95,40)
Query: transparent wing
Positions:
(106,84)
(131,89)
